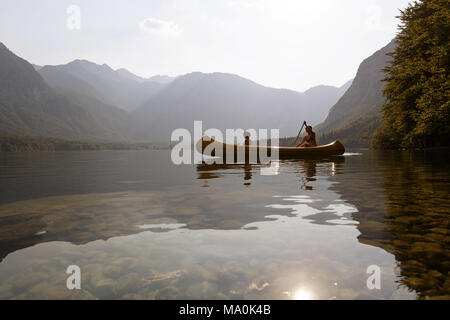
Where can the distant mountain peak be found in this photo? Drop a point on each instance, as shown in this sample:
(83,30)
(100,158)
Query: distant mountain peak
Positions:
(3,46)
(90,65)
(347,85)
(80,61)
(320,88)
(161,79)
(225,100)
(29,106)
(221,78)
(125,70)
(128,74)
(119,88)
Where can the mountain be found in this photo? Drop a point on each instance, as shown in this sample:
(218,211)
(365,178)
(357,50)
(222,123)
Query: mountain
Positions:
(81,100)
(29,106)
(127,74)
(223,100)
(346,86)
(158,78)
(320,99)
(120,88)
(87,96)
(162,79)
(355,117)
(66,81)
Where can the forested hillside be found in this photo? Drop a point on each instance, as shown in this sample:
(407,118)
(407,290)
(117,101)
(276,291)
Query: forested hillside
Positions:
(417,84)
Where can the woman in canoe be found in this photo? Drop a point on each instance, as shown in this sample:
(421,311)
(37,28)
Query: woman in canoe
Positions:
(309,140)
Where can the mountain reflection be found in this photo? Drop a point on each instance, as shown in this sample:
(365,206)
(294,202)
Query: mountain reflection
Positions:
(83,218)
(405,210)
(398,201)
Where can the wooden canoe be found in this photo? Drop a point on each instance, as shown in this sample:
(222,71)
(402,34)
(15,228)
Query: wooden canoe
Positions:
(333,149)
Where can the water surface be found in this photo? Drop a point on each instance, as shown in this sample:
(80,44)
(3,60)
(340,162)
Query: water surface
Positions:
(142,228)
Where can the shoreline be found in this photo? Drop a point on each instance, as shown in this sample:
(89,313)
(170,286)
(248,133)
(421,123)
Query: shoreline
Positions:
(45,144)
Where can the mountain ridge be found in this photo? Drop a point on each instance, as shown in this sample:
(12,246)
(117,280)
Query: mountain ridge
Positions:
(82,92)
(29,106)
(224,100)
(358,111)
(119,87)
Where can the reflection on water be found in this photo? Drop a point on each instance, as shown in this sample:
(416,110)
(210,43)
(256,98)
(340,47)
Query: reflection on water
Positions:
(141,228)
(414,221)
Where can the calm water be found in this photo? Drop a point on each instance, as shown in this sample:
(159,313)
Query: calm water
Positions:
(141,228)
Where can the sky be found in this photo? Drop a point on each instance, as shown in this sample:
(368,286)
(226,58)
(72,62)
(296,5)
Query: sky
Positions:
(292,44)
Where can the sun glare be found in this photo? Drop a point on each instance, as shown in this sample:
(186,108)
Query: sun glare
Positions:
(302,294)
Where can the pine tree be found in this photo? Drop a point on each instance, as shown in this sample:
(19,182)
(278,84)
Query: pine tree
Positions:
(417,112)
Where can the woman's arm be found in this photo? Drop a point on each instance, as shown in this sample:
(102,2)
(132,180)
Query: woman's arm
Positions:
(302,143)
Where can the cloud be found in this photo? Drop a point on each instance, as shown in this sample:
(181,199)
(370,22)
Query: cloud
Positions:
(160,27)
(259,4)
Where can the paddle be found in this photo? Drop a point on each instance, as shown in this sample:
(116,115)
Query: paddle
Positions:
(304,122)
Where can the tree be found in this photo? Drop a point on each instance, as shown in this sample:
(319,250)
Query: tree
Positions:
(417,88)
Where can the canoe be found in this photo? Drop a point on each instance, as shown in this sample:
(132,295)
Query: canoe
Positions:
(335,148)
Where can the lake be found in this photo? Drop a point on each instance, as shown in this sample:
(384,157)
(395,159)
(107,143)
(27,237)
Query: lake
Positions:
(140,227)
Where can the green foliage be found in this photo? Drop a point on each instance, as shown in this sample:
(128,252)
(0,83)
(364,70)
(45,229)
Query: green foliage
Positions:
(357,134)
(417,85)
